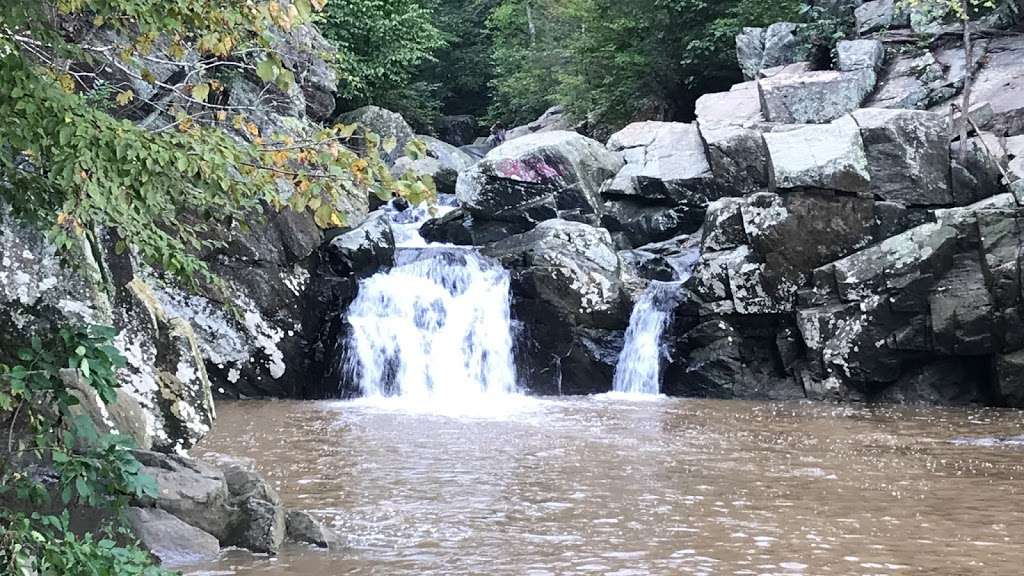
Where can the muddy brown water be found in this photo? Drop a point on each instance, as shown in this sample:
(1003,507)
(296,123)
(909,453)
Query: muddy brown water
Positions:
(609,486)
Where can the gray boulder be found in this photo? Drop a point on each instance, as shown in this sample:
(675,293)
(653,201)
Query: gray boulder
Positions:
(259,524)
(443,163)
(758,49)
(303,528)
(979,174)
(664,161)
(571,266)
(457,130)
(879,15)
(173,542)
(194,492)
(1001,83)
(913,80)
(1009,374)
(740,106)
(860,54)
(815,97)
(829,156)
(552,120)
(738,158)
(385,124)
(907,155)
(538,177)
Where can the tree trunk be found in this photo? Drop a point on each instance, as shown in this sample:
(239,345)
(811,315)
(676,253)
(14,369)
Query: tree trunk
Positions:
(965,107)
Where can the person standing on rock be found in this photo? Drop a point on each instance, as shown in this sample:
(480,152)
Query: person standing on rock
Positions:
(498,135)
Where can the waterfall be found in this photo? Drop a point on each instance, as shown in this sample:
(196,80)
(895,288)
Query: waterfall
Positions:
(638,370)
(434,329)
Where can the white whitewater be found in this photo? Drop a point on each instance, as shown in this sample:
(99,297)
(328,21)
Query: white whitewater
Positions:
(434,333)
(638,371)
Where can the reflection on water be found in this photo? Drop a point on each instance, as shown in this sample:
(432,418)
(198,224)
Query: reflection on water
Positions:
(610,486)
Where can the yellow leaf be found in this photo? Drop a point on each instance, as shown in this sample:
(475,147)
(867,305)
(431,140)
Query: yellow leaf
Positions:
(252,129)
(221,115)
(125,97)
(67,83)
(201,92)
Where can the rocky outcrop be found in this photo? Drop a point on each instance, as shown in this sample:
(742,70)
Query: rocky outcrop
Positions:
(569,298)
(536,178)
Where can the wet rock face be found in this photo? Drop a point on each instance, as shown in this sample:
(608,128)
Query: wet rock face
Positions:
(569,301)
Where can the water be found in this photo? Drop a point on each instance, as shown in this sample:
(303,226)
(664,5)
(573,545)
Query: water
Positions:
(592,486)
(435,331)
(638,370)
(639,366)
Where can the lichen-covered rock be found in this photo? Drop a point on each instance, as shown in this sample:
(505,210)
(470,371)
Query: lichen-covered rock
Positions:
(173,542)
(538,177)
(738,158)
(777,45)
(878,15)
(829,156)
(914,80)
(193,491)
(907,155)
(259,523)
(860,54)
(664,161)
(384,123)
(815,97)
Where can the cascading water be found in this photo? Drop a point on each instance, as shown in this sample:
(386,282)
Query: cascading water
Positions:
(638,371)
(435,329)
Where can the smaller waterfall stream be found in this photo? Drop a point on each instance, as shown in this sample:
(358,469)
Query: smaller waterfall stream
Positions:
(638,370)
(639,367)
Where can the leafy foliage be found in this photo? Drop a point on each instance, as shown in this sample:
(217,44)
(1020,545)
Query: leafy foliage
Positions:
(53,448)
(195,162)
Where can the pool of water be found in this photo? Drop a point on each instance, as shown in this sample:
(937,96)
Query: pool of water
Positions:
(612,485)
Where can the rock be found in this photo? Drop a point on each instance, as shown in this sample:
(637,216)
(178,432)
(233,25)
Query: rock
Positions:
(364,251)
(758,49)
(552,120)
(907,155)
(860,54)
(450,156)
(173,542)
(165,394)
(1001,83)
(879,15)
(913,80)
(457,130)
(536,178)
(979,175)
(943,383)
(962,311)
(928,18)
(302,49)
(383,123)
(664,161)
(815,97)
(570,266)
(303,528)
(194,492)
(442,163)
(750,51)
(1009,375)
(740,106)
(738,158)
(830,156)
(259,524)
(644,223)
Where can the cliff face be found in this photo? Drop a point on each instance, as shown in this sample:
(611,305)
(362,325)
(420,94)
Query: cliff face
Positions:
(848,249)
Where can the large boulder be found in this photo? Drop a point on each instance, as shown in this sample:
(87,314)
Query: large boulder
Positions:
(457,130)
(538,177)
(442,163)
(553,119)
(860,54)
(907,155)
(778,45)
(664,161)
(878,15)
(738,158)
(1000,82)
(978,173)
(193,491)
(259,523)
(384,123)
(913,80)
(569,297)
(173,542)
(829,156)
(740,106)
(815,97)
